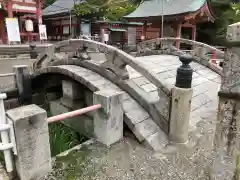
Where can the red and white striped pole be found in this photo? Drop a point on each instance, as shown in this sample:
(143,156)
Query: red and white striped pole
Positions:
(63,116)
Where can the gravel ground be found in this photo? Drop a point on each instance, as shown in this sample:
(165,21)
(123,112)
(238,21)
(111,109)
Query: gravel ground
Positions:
(6,66)
(129,160)
(3,174)
(126,160)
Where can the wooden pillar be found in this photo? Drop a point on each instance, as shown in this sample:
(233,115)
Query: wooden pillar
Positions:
(39,11)
(39,14)
(10,13)
(179,29)
(61,30)
(9,8)
(142,34)
(2,28)
(194,31)
(144,29)
(160,30)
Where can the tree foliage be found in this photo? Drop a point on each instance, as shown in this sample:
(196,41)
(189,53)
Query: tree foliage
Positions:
(226,13)
(228,16)
(109,9)
(49,2)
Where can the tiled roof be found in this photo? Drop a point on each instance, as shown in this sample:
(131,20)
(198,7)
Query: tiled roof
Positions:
(151,8)
(60,6)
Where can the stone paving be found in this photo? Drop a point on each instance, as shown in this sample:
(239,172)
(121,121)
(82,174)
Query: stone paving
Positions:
(3,174)
(206,83)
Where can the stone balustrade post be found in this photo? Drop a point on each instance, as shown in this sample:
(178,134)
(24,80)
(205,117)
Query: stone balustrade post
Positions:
(108,121)
(181,102)
(228,120)
(203,52)
(23,82)
(33,159)
(33,51)
(72,91)
(138,48)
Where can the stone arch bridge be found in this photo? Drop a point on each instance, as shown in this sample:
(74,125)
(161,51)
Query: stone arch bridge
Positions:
(146,79)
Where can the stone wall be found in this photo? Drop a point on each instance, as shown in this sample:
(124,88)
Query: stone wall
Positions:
(20,50)
(226,142)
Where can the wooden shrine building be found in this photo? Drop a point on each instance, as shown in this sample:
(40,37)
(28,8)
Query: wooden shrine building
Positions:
(62,24)
(22,10)
(178,16)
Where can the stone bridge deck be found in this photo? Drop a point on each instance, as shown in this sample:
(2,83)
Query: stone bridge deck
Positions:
(206,83)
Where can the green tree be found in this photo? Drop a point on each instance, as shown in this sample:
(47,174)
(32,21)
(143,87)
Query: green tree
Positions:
(109,9)
(226,13)
(118,12)
(49,2)
(103,9)
(229,16)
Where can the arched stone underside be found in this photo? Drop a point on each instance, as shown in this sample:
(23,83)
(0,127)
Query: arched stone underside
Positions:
(136,117)
(166,46)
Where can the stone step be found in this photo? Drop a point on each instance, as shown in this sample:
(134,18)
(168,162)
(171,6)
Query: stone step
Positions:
(143,126)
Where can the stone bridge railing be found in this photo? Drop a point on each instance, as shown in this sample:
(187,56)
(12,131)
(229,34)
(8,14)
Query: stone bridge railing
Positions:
(14,51)
(116,59)
(167,46)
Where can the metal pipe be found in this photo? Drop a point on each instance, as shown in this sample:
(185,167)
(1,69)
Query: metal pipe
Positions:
(162,19)
(7,74)
(70,22)
(5,137)
(63,116)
